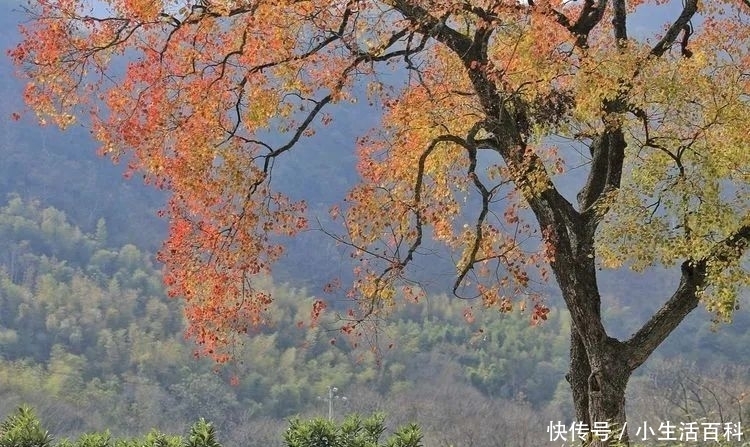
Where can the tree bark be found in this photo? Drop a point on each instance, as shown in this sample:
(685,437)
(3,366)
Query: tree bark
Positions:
(578,376)
(599,372)
(606,395)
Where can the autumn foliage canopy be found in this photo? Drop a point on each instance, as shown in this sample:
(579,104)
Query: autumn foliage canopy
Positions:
(482,103)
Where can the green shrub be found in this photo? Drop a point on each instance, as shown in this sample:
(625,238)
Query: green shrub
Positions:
(23,429)
(202,434)
(93,440)
(352,432)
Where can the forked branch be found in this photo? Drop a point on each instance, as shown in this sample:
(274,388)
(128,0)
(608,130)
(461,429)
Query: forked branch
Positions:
(685,298)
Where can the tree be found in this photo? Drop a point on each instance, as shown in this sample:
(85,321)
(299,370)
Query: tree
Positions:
(475,96)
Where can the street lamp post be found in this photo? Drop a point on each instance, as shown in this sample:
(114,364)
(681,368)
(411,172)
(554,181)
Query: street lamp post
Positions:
(331,391)
(332,395)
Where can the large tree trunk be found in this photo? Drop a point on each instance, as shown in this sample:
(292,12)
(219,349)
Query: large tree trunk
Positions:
(599,391)
(599,366)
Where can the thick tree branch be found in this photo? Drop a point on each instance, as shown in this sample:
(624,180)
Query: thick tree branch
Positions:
(590,16)
(691,7)
(432,26)
(608,153)
(685,298)
(669,316)
(619,22)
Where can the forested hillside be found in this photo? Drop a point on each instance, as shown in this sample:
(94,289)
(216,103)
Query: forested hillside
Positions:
(88,338)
